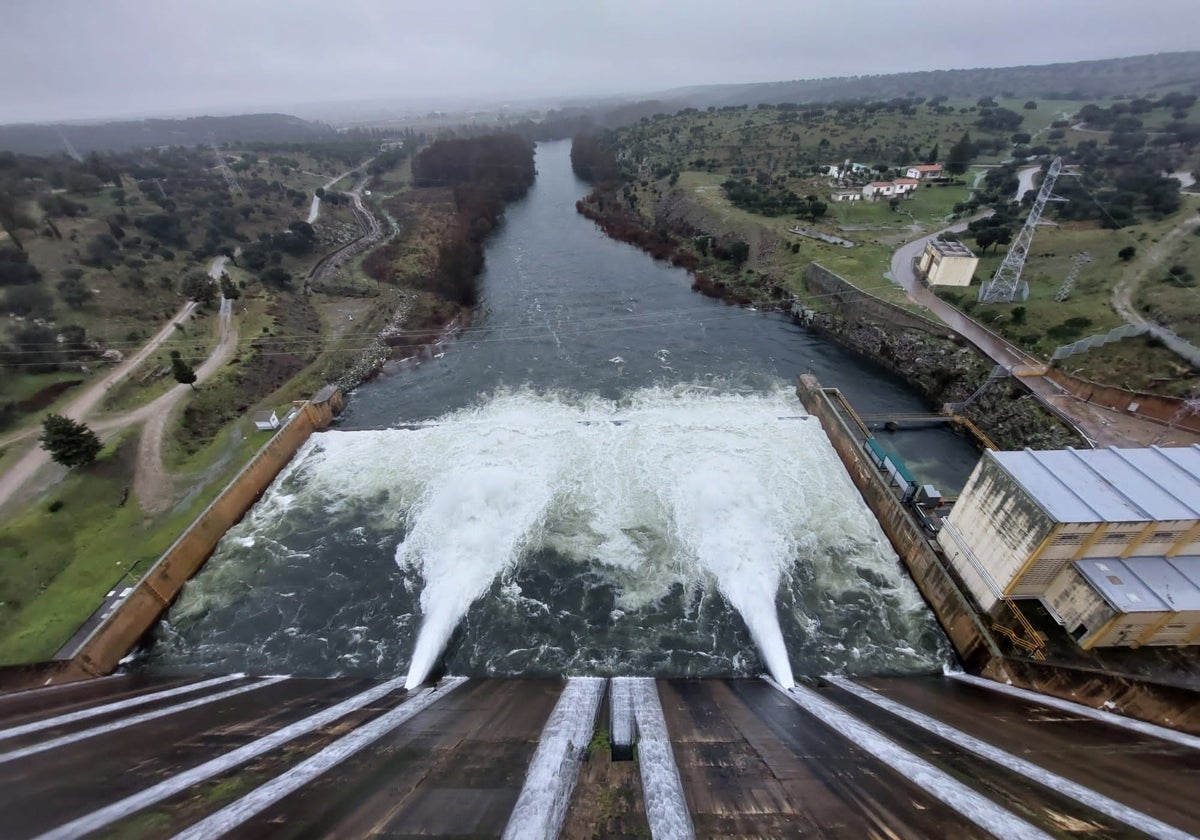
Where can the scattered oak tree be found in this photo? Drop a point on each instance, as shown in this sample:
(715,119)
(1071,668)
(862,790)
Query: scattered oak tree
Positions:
(69,443)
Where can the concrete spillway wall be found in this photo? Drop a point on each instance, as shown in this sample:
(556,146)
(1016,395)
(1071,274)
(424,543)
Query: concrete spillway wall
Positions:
(954,612)
(116,636)
(1175,707)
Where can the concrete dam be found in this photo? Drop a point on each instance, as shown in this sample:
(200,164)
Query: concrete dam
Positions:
(240,756)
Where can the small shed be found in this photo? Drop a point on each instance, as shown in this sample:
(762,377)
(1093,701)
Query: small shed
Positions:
(947,262)
(266,421)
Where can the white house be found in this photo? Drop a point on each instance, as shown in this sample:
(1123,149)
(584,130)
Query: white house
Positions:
(848,194)
(899,187)
(266,421)
(924,171)
(879,189)
(845,169)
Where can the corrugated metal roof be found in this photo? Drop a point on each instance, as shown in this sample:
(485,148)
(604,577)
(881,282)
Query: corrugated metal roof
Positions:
(1109,485)
(1123,589)
(1188,566)
(1164,579)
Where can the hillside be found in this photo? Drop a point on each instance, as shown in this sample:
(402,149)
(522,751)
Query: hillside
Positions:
(745,197)
(36,139)
(1077,80)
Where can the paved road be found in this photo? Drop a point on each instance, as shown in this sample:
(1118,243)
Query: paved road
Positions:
(285,757)
(1025,181)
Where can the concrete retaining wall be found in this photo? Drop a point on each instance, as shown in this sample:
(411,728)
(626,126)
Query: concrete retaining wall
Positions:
(1172,706)
(117,635)
(844,295)
(970,638)
(1150,406)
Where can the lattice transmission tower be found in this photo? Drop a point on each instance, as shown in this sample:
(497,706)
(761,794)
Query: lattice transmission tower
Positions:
(1006,284)
(223,165)
(1077,263)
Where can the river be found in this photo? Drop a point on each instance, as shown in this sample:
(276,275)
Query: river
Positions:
(606,473)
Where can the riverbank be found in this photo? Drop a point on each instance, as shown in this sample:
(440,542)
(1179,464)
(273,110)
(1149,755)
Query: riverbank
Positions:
(928,356)
(62,557)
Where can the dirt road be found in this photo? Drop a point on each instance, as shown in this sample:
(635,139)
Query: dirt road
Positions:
(78,409)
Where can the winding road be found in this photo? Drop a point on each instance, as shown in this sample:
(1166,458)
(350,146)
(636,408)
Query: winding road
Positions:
(314,211)
(151,475)
(1123,292)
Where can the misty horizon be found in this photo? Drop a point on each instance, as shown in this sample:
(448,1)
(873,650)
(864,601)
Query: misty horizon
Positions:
(69,60)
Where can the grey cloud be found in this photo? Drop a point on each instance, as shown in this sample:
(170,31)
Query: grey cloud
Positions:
(83,59)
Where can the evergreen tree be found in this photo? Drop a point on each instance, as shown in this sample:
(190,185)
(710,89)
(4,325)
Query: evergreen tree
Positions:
(182,371)
(229,289)
(960,155)
(933,153)
(69,443)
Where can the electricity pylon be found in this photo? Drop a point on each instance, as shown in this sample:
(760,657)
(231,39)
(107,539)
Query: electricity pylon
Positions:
(1006,284)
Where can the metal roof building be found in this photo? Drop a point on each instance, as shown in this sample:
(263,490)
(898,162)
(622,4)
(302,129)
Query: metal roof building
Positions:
(1040,524)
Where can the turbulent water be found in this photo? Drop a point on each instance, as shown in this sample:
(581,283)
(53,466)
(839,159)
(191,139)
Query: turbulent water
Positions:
(607,474)
(673,531)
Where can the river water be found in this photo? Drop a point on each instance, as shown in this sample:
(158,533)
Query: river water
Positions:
(605,474)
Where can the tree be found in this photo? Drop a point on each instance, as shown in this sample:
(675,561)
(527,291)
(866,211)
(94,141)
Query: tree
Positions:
(69,443)
(960,155)
(1030,105)
(229,289)
(1126,253)
(932,157)
(182,371)
(198,286)
(73,292)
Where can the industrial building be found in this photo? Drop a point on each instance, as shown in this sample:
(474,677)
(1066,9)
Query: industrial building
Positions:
(1108,540)
(947,262)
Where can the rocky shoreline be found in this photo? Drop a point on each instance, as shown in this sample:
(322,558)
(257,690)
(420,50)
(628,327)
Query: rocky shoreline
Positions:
(943,370)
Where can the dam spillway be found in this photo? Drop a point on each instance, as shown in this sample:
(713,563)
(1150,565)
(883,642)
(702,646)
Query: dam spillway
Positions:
(678,530)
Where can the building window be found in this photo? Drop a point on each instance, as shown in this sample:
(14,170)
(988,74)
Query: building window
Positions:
(1165,536)
(1068,539)
(1114,538)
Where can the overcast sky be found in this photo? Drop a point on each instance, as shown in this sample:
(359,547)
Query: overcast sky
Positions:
(73,59)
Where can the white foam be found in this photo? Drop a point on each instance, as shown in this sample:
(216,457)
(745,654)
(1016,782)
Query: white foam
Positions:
(1088,797)
(666,805)
(542,804)
(685,486)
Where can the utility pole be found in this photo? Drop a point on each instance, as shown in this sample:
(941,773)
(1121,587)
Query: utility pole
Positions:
(230,178)
(78,158)
(1006,284)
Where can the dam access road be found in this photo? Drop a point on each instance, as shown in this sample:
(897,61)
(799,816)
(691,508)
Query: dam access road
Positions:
(239,756)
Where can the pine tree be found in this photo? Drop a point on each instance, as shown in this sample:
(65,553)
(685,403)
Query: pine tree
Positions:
(933,153)
(69,443)
(960,155)
(182,371)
